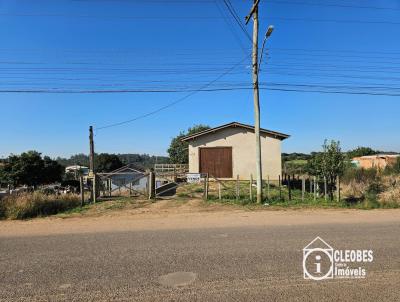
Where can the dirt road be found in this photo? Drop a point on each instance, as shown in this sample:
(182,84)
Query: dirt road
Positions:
(163,216)
(204,255)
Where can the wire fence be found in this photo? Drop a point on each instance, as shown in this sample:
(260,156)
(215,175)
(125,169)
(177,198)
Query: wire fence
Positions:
(284,188)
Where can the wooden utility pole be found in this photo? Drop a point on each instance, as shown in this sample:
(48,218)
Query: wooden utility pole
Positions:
(254,13)
(91,156)
(91,165)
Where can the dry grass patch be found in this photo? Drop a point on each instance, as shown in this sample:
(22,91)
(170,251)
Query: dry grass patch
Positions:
(29,205)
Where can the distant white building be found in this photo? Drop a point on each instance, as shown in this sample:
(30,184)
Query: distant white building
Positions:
(80,170)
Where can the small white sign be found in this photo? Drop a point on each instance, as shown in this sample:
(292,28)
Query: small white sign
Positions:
(193,177)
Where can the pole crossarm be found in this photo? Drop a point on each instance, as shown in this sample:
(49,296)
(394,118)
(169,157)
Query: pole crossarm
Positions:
(255,6)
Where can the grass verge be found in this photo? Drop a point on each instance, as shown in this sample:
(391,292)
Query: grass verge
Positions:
(29,205)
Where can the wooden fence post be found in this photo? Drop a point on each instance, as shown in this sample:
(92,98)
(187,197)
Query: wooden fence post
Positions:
(207,186)
(251,187)
(82,190)
(110,187)
(237,188)
(94,188)
(325,189)
(268,186)
(152,185)
(303,187)
(280,187)
(309,179)
(315,188)
(289,188)
(338,189)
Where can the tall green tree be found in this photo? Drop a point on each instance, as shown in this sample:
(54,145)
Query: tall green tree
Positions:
(52,171)
(29,168)
(107,162)
(329,164)
(361,151)
(178,150)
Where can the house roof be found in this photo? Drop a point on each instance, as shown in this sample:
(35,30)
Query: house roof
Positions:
(277,135)
(376,156)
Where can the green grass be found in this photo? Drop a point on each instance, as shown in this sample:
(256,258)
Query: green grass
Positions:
(299,162)
(280,198)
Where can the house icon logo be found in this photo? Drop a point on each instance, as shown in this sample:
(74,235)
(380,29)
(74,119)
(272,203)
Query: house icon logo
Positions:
(318,260)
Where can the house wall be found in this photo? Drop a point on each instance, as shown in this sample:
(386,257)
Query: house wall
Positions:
(242,142)
(379,162)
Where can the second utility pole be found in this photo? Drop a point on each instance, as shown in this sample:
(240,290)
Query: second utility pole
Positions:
(91,155)
(254,14)
(91,166)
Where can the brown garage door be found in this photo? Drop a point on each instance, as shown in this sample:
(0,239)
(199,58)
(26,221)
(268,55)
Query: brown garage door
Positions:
(217,162)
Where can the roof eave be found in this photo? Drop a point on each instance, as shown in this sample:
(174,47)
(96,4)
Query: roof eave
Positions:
(277,135)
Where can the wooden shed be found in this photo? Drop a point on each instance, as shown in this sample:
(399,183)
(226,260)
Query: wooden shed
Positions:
(229,150)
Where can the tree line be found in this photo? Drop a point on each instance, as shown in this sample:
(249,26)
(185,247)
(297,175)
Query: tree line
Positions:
(31,168)
(105,162)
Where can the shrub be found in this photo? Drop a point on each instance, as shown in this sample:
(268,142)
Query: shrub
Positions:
(393,169)
(360,175)
(390,197)
(2,209)
(28,205)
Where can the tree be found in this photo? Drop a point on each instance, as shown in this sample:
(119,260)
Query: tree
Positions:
(329,164)
(53,171)
(107,162)
(361,151)
(178,150)
(31,169)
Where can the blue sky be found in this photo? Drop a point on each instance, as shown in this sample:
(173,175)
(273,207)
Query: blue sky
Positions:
(97,45)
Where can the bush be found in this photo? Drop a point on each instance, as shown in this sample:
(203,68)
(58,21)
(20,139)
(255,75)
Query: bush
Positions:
(2,209)
(390,197)
(29,205)
(360,175)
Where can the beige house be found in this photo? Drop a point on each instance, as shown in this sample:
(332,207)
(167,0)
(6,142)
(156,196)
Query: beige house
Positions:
(379,161)
(229,150)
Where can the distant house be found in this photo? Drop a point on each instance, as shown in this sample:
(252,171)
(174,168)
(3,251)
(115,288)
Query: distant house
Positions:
(76,169)
(229,150)
(379,161)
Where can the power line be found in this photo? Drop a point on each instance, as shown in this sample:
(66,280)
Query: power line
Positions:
(197,18)
(333,5)
(356,21)
(232,11)
(336,89)
(229,24)
(172,103)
